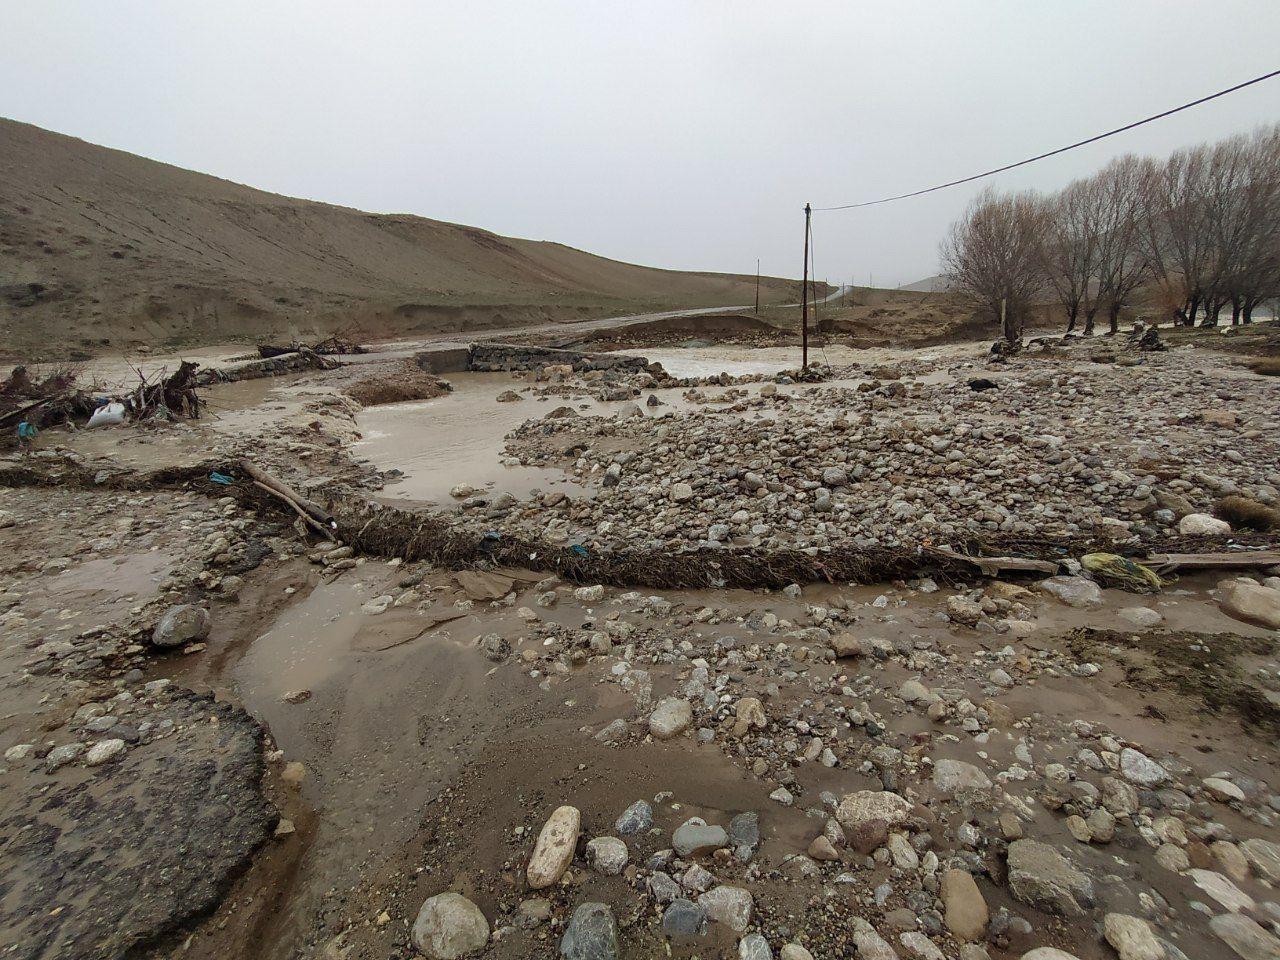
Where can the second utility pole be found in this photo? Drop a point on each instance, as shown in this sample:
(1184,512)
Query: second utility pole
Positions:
(804,296)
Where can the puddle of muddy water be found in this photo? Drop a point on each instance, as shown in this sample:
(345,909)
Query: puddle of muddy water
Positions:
(458,438)
(745,360)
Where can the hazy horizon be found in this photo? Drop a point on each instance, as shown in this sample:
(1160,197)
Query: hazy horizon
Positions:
(671,135)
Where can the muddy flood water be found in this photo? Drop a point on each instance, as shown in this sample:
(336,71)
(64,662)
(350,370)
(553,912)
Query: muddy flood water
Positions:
(458,438)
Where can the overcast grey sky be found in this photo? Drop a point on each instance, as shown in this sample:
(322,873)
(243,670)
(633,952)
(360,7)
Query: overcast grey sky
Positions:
(678,134)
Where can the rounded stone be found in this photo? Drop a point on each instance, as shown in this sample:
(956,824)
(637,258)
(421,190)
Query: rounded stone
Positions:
(592,934)
(608,855)
(670,718)
(180,625)
(449,926)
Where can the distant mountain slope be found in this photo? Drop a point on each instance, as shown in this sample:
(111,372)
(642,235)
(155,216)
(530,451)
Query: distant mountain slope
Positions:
(935,284)
(100,248)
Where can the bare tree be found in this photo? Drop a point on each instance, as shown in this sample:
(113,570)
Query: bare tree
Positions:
(1123,265)
(1252,272)
(992,255)
(1070,247)
(1177,242)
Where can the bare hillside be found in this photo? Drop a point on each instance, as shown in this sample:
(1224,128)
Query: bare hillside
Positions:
(103,249)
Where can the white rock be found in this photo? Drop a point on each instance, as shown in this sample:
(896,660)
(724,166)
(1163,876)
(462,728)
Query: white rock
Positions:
(449,926)
(731,906)
(670,718)
(553,852)
(608,855)
(1073,591)
(866,805)
(1144,618)
(1137,767)
(1201,524)
(958,776)
(1131,937)
(104,750)
(1222,890)
(1245,937)
(1250,602)
(1223,790)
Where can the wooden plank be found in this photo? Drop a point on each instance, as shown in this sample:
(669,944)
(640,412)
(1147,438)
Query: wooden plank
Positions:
(1243,560)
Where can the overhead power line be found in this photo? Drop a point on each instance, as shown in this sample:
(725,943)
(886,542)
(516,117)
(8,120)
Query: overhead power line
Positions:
(1052,153)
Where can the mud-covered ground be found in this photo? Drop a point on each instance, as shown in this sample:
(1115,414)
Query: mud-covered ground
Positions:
(912,769)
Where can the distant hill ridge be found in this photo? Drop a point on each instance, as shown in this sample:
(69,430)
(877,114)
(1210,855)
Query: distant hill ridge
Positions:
(102,249)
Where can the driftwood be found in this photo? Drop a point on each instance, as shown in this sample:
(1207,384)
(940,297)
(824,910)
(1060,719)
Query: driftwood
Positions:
(311,513)
(1243,560)
(994,566)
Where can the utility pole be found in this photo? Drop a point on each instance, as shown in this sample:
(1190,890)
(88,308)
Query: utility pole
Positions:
(757,286)
(804,295)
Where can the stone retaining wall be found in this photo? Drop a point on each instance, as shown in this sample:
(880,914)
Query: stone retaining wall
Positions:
(498,357)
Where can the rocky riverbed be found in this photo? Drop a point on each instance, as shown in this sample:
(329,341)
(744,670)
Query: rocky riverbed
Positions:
(224,736)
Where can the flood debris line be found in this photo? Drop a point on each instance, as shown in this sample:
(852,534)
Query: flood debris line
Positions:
(507,357)
(446,540)
(41,400)
(441,539)
(58,399)
(275,366)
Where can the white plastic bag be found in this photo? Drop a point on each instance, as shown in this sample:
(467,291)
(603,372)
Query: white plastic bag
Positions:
(107,415)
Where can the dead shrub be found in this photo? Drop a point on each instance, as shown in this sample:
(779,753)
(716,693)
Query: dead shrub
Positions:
(1268,366)
(1246,514)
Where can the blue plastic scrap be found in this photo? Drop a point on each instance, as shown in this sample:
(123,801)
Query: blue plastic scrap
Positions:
(221,478)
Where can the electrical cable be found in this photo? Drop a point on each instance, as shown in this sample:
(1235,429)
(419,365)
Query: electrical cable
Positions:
(1052,153)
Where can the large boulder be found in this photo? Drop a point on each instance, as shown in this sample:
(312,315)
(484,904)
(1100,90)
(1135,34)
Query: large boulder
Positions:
(1251,602)
(1264,857)
(1245,937)
(449,926)
(553,852)
(182,624)
(1041,876)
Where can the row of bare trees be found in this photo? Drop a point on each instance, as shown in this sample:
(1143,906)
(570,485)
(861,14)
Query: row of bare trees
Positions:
(1185,239)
